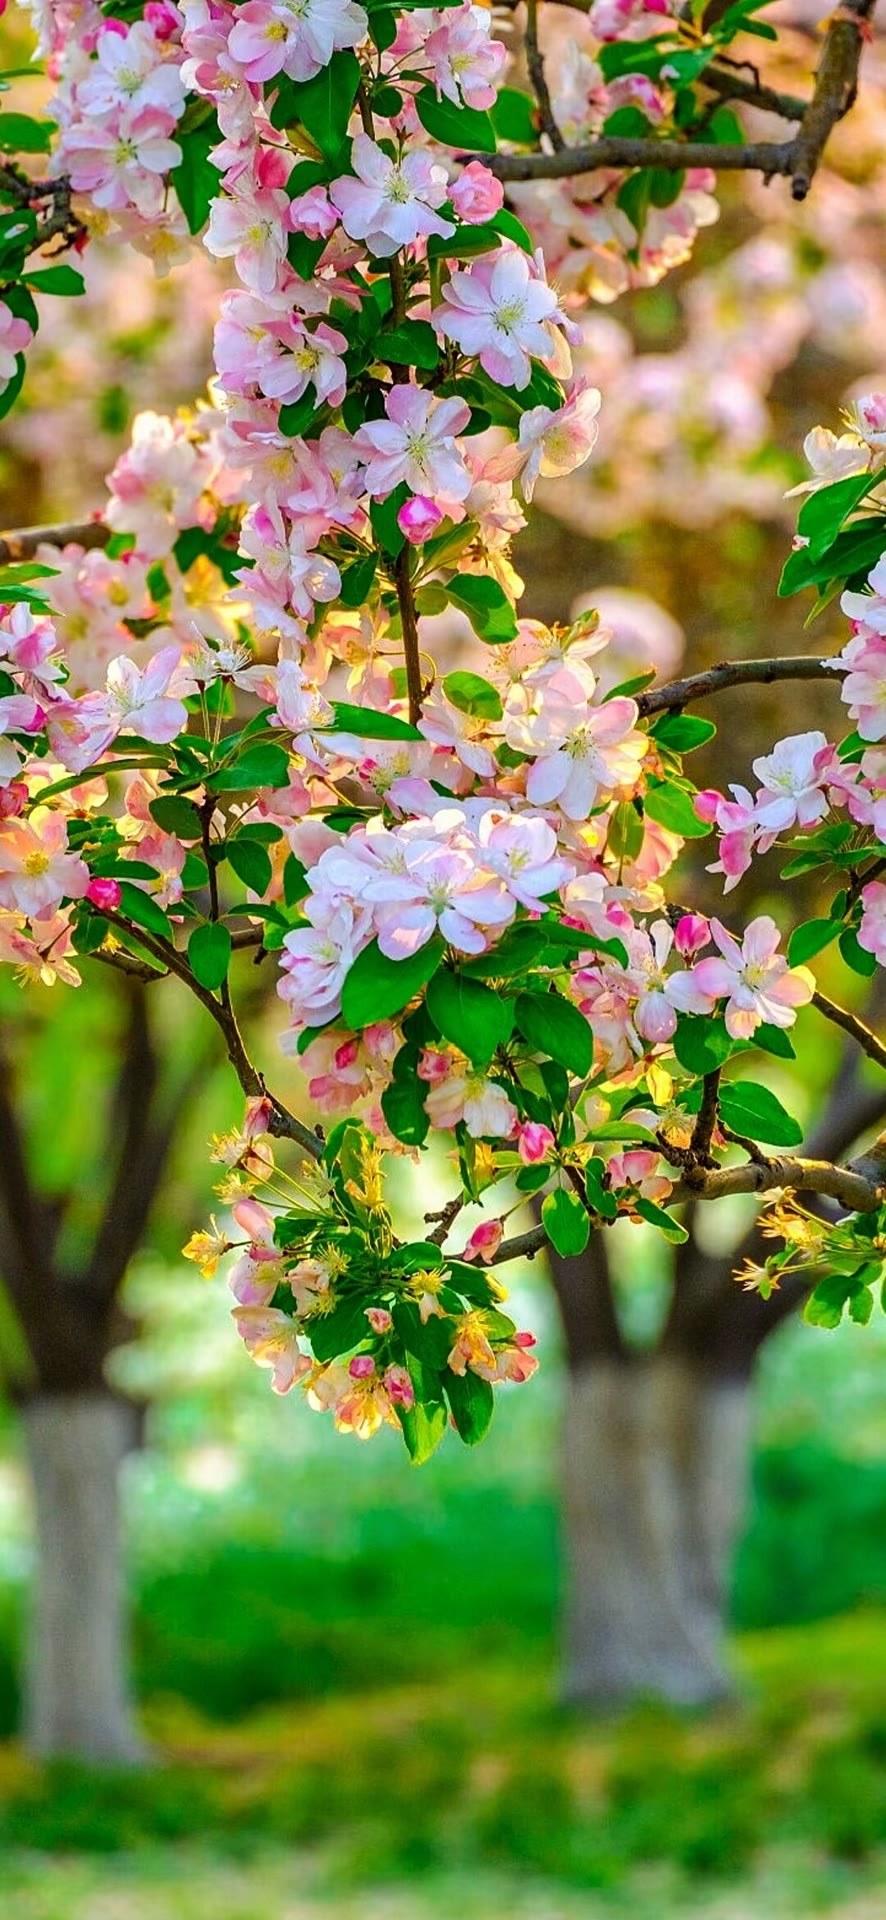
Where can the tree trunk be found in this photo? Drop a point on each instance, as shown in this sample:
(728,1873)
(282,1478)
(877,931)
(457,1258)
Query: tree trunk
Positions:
(77,1697)
(654,1479)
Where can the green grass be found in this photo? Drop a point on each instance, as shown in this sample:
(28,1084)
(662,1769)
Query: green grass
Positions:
(466,1787)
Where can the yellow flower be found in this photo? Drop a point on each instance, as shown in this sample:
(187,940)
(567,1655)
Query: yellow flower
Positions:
(207,1249)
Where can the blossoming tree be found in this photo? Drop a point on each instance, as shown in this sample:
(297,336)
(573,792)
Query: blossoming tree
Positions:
(224,728)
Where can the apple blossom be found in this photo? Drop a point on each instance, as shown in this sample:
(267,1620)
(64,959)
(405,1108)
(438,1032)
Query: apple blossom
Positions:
(390,203)
(754,977)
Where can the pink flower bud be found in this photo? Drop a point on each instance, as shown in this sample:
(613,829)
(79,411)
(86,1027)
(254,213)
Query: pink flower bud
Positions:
(346,1054)
(13,800)
(418,518)
(379,1319)
(162,18)
(313,213)
(525,1340)
(707,804)
(433,1067)
(484,1241)
(399,1387)
(362,1367)
(691,933)
(534,1142)
(257,1117)
(104,894)
(476,195)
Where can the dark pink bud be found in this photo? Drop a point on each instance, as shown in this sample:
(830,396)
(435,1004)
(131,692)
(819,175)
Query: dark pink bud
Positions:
(13,800)
(691,933)
(104,894)
(362,1367)
(418,518)
(707,804)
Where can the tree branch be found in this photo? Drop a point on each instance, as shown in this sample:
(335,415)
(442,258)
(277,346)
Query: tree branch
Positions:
(22,542)
(282,1124)
(536,68)
(797,159)
(850,1024)
(733,673)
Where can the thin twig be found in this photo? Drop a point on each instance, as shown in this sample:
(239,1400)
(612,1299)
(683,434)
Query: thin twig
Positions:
(411,643)
(536,67)
(851,1024)
(705,1121)
(733,673)
(22,542)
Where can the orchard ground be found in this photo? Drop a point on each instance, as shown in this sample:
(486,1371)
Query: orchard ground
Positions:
(348,1674)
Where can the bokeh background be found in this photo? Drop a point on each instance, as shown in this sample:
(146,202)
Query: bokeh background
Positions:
(349,1674)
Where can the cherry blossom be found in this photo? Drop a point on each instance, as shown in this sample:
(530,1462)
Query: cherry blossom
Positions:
(390,203)
(754,977)
(502,310)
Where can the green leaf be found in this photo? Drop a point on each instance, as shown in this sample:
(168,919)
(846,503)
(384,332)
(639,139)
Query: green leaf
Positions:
(472,694)
(755,1111)
(385,525)
(470,1015)
(357,580)
(515,953)
(554,1026)
(376,988)
(671,806)
(681,732)
(460,127)
(322,105)
(403,1103)
(506,223)
(143,909)
(337,1332)
(701,1043)
(265,766)
(856,956)
(295,418)
(369,724)
(624,839)
(665,1222)
(829,1300)
(599,1196)
(174,814)
(811,938)
(251,862)
(209,954)
(823,513)
(295,882)
(195,179)
(854,551)
(565,1222)
(424,1424)
(472,1401)
(61,279)
(513,117)
(20,133)
(412,344)
(486,604)
(774,1040)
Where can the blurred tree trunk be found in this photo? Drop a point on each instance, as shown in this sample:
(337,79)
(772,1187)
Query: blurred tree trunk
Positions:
(656,1452)
(69,1320)
(76,1685)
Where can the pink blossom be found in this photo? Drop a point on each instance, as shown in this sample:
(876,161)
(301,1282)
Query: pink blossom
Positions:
(522,850)
(736,820)
(755,979)
(391,203)
(250,226)
(124,164)
(399,1387)
(315,960)
(440,887)
(476,195)
(793,780)
(869,417)
(691,933)
(139,699)
(869,608)
(484,1242)
(550,443)
(104,894)
(864,686)
(312,213)
(872,932)
(131,70)
(465,61)
(638,1167)
(415,445)
(582,751)
(379,1319)
(534,1142)
(36,870)
(419,518)
(501,310)
(15,335)
(271,1339)
(276,36)
(479,1102)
